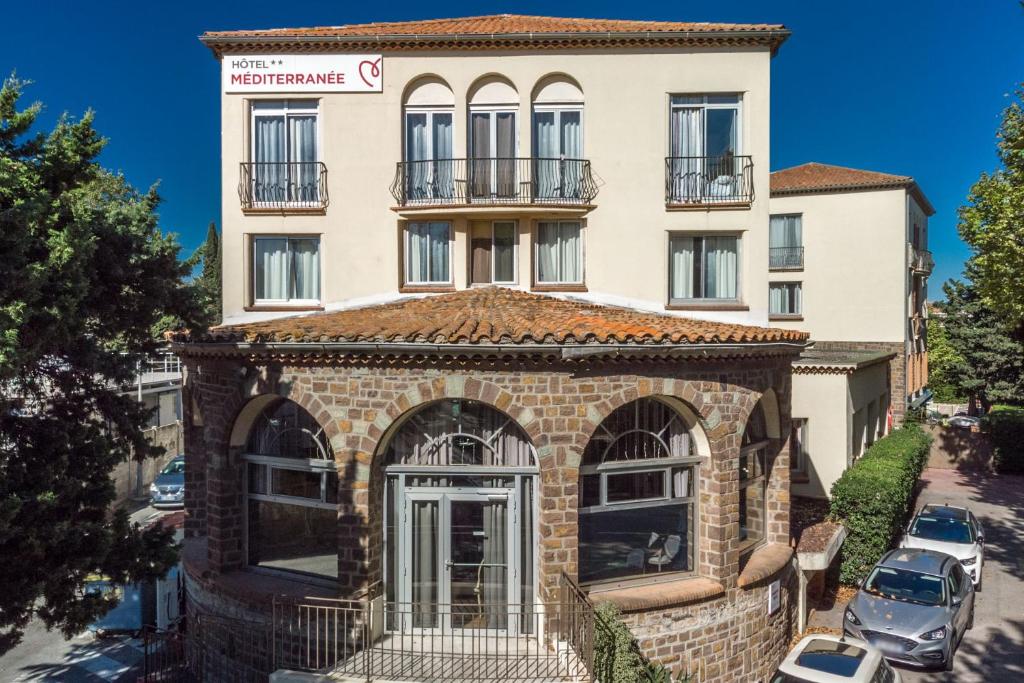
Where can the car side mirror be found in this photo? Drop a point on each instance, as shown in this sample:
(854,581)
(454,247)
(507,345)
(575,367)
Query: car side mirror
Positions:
(957,600)
(981,538)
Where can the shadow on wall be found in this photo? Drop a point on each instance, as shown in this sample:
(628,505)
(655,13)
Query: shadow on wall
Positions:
(959,449)
(132,478)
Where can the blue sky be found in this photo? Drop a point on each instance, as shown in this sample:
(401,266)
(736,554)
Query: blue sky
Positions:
(903,87)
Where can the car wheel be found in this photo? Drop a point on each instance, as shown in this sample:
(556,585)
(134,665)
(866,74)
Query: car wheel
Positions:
(977,586)
(970,619)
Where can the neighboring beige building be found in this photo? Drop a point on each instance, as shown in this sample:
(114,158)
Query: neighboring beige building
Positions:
(849,263)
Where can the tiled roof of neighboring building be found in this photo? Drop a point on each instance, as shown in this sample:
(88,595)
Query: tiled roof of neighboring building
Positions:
(838,362)
(501,27)
(494,315)
(814,178)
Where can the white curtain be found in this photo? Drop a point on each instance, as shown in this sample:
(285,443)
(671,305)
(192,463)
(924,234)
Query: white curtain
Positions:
(559,253)
(570,269)
(419,255)
(785,299)
(271,268)
(269,173)
(687,142)
(682,268)
(572,150)
(302,157)
(444,177)
(306,268)
(546,150)
(785,231)
(680,483)
(720,267)
(417,153)
(547,252)
(438,252)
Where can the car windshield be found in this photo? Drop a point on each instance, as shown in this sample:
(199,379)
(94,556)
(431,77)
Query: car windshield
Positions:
(942,529)
(906,586)
(174,467)
(830,657)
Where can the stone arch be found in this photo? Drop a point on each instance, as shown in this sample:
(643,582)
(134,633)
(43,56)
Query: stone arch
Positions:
(428,90)
(492,89)
(769,404)
(557,88)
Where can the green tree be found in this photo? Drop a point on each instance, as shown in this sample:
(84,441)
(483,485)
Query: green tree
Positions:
(943,364)
(85,276)
(990,367)
(208,283)
(992,223)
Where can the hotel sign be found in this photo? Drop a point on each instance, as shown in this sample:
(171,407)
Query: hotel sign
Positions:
(302,73)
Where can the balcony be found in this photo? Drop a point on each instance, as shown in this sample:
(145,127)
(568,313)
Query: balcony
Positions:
(921,261)
(283,187)
(494,182)
(785,258)
(709,182)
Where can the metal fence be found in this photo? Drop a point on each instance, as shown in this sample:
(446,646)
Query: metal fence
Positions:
(709,180)
(283,185)
(209,648)
(494,181)
(782,258)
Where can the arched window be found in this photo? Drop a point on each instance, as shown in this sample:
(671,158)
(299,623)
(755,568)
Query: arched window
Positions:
(753,480)
(558,138)
(493,139)
(637,511)
(291,493)
(429,108)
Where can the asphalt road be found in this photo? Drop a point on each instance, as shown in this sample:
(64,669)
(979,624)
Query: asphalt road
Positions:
(46,656)
(993,651)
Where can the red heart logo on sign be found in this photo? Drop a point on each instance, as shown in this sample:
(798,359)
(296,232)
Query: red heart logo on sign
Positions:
(373,70)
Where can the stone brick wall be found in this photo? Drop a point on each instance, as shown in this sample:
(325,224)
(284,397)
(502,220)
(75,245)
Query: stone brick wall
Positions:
(558,404)
(898,386)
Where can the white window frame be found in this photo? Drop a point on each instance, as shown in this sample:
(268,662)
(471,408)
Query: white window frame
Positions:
(493,110)
(319,264)
(288,107)
(430,111)
(536,256)
(406,241)
(707,301)
(705,106)
(557,108)
(798,301)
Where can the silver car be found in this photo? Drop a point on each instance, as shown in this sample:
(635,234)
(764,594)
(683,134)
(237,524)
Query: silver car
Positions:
(824,658)
(915,606)
(951,530)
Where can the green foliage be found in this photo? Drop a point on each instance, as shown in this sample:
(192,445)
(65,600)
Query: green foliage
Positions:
(84,277)
(992,223)
(874,496)
(659,673)
(943,361)
(989,360)
(617,657)
(209,281)
(1005,427)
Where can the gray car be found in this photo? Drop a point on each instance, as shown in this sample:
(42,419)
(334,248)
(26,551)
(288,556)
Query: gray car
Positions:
(169,488)
(915,606)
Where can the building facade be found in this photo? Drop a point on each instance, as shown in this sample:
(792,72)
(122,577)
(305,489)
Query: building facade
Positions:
(849,265)
(495,350)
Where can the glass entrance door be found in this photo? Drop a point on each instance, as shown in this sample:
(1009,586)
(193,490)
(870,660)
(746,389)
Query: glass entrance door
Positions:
(459,560)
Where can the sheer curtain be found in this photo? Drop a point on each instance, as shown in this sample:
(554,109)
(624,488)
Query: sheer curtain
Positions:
(505,139)
(572,150)
(269,173)
(547,252)
(546,150)
(417,154)
(559,253)
(682,267)
(480,166)
(785,231)
(306,268)
(302,157)
(444,181)
(271,268)
(720,267)
(687,142)
(419,255)
(439,252)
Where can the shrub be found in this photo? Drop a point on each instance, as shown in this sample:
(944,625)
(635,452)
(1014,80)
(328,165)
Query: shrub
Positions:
(1005,428)
(617,657)
(874,497)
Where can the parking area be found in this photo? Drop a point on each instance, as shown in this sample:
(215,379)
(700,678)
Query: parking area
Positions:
(994,649)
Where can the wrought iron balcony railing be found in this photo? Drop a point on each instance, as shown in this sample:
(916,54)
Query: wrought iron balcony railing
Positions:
(921,261)
(709,180)
(283,185)
(785,258)
(502,181)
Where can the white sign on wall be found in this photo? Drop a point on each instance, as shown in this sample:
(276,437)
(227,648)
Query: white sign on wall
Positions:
(774,591)
(302,73)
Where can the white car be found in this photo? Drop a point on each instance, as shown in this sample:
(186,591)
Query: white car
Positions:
(951,530)
(824,658)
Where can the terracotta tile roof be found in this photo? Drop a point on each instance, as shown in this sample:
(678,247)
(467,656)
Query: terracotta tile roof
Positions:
(495,315)
(815,177)
(500,27)
(499,24)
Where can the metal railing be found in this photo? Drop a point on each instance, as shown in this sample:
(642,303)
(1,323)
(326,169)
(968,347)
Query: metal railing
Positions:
(709,180)
(373,639)
(782,258)
(500,181)
(209,648)
(283,185)
(921,261)
(163,363)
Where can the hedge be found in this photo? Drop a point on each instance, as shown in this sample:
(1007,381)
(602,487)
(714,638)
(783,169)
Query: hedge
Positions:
(1005,428)
(875,495)
(617,656)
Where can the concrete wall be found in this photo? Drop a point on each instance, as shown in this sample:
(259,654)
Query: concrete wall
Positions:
(855,269)
(625,135)
(845,414)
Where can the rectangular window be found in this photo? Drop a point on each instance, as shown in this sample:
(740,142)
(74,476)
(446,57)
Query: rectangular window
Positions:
(492,144)
(286,270)
(753,494)
(558,153)
(428,254)
(785,298)
(705,162)
(493,255)
(703,267)
(785,242)
(285,152)
(798,446)
(559,255)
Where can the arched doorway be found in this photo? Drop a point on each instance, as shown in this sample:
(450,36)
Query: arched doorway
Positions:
(459,529)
